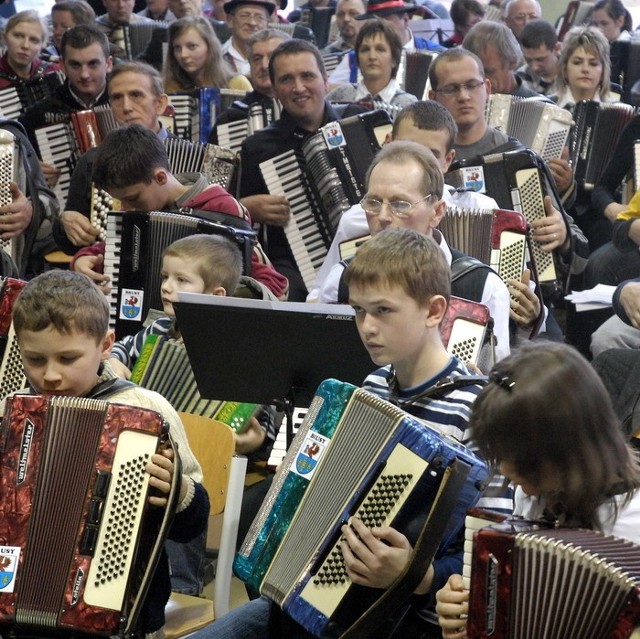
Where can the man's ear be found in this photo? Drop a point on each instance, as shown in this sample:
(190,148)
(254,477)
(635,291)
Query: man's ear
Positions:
(163,102)
(440,208)
(107,342)
(109,62)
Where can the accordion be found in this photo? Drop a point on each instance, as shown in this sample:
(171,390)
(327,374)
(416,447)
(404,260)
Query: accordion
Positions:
(518,181)
(354,455)
(12,377)
(322,181)
(529,580)
(416,72)
(541,126)
(625,65)
(261,114)
(135,241)
(62,144)
(197,111)
(594,138)
(14,101)
(138,34)
(163,366)
(73,507)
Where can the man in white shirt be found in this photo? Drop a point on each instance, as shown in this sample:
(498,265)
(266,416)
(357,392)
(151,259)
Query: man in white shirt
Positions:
(430,125)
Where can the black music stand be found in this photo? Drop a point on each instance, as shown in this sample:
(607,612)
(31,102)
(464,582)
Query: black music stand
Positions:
(269,352)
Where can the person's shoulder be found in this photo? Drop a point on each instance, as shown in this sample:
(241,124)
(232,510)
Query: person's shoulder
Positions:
(135,395)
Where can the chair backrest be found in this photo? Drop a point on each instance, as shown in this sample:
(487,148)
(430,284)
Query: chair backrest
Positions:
(213,444)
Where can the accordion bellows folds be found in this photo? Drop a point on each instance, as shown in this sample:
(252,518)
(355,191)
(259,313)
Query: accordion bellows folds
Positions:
(78,547)
(354,455)
(534,582)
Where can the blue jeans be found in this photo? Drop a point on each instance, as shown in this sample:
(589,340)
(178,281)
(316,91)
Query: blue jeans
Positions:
(186,561)
(253,620)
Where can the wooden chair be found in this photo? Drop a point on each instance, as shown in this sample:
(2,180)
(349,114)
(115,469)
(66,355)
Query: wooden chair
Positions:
(213,444)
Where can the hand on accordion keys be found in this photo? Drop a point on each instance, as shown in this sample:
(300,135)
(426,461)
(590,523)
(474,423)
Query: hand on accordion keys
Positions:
(551,231)
(561,171)
(78,228)
(452,607)
(91,265)
(268,209)
(375,557)
(524,305)
(161,469)
(51,173)
(16,216)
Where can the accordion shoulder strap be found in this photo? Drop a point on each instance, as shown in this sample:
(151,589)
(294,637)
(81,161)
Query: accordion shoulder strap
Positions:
(109,387)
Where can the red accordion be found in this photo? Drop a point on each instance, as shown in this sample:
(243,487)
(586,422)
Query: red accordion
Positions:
(78,546)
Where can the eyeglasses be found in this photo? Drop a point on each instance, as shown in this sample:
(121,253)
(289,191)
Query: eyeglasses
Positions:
(455,89)
(399,208)
(521,18)
(251,17)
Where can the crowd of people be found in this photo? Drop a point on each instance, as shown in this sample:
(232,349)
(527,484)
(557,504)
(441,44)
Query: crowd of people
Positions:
(533,406)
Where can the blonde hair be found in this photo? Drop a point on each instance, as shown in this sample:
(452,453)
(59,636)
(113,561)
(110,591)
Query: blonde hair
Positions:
(27,16)
(216,72)
(593,42)
(216,258)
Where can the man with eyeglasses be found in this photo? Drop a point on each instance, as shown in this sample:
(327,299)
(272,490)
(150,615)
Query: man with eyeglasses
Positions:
(244,19)
(458,83)
(430,125)
(517,13)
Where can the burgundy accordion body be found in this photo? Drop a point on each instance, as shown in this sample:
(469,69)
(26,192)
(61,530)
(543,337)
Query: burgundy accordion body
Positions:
(77,545)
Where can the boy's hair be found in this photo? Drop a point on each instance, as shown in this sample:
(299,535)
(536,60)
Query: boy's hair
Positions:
(217,259)
(28,15)
(293,47)
(452,55)
(405,258)
(129,155)
(66,300)
(428,115)
(382,28)
(537,33)
(82,36)
(403,151)
(141,68)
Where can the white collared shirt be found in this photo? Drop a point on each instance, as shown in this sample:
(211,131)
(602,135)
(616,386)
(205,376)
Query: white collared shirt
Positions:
(238,61)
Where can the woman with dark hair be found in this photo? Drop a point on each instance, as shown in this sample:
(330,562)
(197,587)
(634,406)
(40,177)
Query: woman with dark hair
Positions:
(612,19)
(464,15)
(378,52)
(194,59)
(546,421)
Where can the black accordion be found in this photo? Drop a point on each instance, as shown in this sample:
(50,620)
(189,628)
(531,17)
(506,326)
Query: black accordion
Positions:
(135,241)
(196,111)
(531,580)
(516,180)
(322,181)
(79,543)
(594,138)
(14,101)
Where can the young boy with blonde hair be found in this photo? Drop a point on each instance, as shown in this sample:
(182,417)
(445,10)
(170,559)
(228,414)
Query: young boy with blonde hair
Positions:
(61,321)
